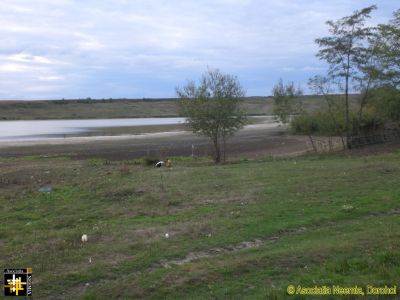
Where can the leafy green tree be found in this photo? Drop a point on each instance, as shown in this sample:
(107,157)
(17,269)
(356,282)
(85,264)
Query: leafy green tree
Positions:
(212,108)
(386,93)
(386,103)
(346,51)
(386,43)
(286,100)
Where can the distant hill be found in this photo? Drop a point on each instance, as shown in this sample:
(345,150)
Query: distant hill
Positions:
(123,108)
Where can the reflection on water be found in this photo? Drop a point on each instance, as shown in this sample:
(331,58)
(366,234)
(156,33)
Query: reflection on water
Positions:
(39,129)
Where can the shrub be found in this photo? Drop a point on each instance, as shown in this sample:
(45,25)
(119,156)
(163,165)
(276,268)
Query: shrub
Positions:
(324,124)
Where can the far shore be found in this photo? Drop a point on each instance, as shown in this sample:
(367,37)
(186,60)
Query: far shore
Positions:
(129,108)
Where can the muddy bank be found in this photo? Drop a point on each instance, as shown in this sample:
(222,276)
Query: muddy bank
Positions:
(250,142)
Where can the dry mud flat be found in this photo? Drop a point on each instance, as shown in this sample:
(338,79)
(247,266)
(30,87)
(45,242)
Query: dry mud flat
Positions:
(255,140)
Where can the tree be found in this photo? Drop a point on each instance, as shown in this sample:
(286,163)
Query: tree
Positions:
(386,103)
(285,96)
(386,43)
(386,92)
(212,108)
(346,51)
(322,86)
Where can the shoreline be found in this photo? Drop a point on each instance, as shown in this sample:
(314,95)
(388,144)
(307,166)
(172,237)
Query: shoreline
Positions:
(256,140)
(85,139)
(110,138)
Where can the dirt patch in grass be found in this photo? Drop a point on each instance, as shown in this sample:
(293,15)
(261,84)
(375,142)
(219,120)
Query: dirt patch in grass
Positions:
(192,256)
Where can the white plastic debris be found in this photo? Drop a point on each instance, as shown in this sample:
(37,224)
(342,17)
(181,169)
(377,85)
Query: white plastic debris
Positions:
(84,238)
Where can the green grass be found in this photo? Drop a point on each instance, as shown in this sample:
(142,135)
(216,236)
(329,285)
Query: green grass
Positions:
(298,207)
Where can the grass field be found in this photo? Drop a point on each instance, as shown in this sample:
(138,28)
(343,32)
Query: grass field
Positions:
(244,230)
(90,109)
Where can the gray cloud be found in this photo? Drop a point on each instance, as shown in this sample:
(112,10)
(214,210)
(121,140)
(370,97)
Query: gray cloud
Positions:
(67,48)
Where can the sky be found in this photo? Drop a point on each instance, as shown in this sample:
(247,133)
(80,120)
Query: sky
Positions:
(54,49)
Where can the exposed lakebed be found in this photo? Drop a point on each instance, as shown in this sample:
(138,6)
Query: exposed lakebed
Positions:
(55,129)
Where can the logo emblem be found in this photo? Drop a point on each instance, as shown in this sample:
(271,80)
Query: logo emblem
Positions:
(18,282)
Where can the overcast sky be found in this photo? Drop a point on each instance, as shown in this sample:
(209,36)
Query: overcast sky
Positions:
(53,49)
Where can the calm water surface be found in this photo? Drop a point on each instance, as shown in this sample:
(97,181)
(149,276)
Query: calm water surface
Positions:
(39,129)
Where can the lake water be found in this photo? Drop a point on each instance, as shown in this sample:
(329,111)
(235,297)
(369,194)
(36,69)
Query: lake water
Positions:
(40,129)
